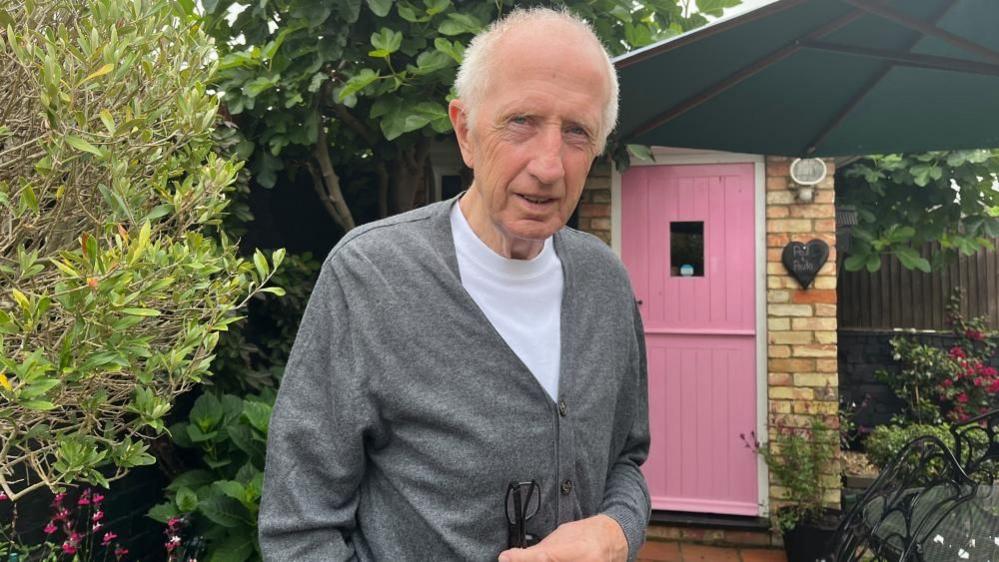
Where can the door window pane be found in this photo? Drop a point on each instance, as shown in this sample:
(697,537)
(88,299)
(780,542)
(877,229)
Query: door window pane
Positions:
(686,249)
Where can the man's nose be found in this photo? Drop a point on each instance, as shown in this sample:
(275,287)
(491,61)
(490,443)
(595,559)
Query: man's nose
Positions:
(546,165)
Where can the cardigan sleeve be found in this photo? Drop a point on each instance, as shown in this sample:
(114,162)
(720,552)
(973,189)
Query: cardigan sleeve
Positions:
(315,448)
(626,494)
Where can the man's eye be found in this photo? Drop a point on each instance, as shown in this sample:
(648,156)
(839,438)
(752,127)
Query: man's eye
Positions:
(519,120)
(578,131)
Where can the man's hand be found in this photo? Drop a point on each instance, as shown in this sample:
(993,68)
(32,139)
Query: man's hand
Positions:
(594,539)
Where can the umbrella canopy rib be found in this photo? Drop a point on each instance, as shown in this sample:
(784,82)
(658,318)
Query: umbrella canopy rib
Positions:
(870,85)
(743,73)
(903,58)
(926,29)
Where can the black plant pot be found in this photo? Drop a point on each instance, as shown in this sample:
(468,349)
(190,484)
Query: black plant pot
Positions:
(812,541)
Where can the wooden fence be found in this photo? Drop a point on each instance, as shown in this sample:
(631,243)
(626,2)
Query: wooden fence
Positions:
(895,297)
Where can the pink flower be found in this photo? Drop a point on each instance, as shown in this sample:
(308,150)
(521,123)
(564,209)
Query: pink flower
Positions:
(119,552)
(957,352)
(98,515)
(58,498)
(108,537)
(61,515)
(97,527)
(84,499)
(68,548)
(990,371)
(994,387)
(51,528)
(974,335)
(173,522)
(962,398)
(3,497)
(97,499)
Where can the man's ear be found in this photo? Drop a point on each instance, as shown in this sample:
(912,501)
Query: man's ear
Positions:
(458,113)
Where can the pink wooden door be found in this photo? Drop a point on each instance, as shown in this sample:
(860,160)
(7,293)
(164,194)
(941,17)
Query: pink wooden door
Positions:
(698,306)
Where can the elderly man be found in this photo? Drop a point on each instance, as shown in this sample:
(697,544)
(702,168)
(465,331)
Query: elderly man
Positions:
(472,371)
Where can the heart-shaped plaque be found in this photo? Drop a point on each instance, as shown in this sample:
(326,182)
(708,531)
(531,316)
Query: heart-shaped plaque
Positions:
(803,261)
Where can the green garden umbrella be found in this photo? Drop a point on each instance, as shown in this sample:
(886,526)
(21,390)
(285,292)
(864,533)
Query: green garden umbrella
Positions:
(822,78)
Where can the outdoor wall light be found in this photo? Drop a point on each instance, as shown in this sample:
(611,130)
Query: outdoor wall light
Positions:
(806,173)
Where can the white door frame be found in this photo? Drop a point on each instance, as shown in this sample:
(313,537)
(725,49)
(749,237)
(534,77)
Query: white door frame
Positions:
(678,156)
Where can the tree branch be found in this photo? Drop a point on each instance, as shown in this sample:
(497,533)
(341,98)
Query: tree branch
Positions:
(331,182)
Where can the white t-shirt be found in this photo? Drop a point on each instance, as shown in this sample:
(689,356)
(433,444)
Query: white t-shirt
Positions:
(521,298)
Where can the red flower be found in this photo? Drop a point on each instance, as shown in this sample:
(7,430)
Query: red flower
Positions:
(990,371)
(957,352)
(974,335)
(962,398)
(50,528)
(3,497)
(108,537)
(69,548)
(994,387)
(947,383)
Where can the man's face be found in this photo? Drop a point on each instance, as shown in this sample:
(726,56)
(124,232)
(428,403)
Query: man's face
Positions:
(535,133)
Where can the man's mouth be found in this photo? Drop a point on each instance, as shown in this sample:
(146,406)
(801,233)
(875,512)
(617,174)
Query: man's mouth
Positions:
(536,200)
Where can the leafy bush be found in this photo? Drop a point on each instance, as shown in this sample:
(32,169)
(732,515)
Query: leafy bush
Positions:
(956,384)
(798,459)
(116,277)
(222,498)
(887,440)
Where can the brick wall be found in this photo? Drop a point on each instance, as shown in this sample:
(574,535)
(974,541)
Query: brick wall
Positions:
(595,203)
(801,324)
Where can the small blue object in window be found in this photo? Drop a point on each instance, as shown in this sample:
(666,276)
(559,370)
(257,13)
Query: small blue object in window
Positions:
(686,270)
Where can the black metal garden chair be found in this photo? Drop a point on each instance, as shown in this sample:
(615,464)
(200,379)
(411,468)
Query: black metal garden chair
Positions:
(930,504)
(907,513)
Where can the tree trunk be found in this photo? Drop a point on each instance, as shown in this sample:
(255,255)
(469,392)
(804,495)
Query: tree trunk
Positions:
(331,194)
(409,175)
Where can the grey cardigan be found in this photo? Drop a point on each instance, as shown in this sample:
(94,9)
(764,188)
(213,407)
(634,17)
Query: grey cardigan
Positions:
(403,415)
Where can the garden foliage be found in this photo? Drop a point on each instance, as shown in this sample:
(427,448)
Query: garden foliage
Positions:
(904,201)
(953,384)
(800,461)
(115,278)
(222,498)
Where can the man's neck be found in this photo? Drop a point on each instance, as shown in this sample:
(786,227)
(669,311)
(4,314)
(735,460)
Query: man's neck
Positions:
(474,210)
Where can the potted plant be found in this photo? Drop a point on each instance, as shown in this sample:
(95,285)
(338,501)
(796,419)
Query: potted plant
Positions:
(798,458)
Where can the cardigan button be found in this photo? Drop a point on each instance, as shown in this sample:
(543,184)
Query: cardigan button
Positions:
(566,487)
(563,408)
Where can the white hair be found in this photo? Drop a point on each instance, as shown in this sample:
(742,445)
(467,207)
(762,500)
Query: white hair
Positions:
(472,82)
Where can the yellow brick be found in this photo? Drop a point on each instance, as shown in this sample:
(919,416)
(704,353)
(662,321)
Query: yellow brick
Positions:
(825,283)
(829,268)
(789,225)
(781,393)
(790,337)
(778,296)
(827,310)
(801,310)
(780,379)
(780,407)
(826,337)
(827,365)
(780,198)
(778,324)
(778,351)
(813,324)
(806,394)
(815,350)
(813,379)
(777,211)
